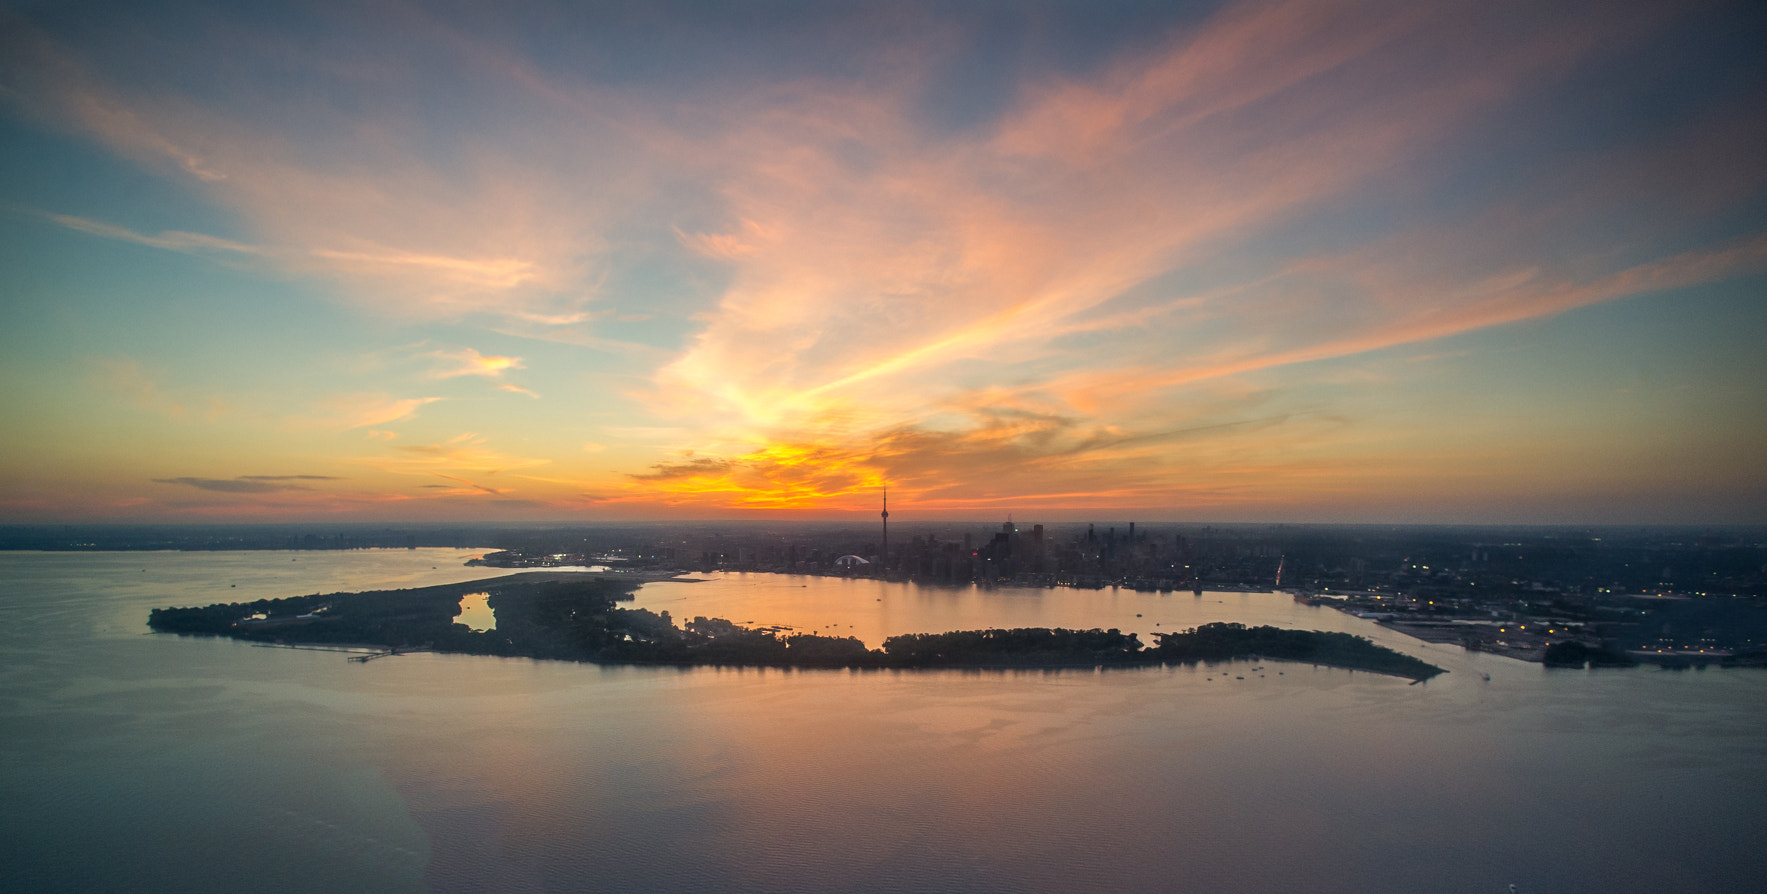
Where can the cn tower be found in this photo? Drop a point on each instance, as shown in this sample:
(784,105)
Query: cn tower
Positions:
(886,522)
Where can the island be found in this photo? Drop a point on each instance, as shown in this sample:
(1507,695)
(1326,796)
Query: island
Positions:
(576,617)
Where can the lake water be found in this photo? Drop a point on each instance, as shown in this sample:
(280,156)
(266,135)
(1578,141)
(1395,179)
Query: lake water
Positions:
(139,762)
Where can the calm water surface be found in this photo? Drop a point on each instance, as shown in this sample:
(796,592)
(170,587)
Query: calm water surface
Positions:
(130,761)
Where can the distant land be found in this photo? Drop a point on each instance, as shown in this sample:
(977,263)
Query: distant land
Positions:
(567,617)
(1674,596)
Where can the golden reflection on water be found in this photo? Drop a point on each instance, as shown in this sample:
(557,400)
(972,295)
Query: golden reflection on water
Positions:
(874,610)
(476,612)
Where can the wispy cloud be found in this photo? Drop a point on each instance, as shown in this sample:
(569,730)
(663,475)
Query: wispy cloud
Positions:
(728,246)
(468,362)
(490,273)
(404,237)
(699,469)
(170,240)
(45,81)
(1521,299)
(247,484)
(352,411)
(467,487)
(580,336)
(463,454)
(127,378)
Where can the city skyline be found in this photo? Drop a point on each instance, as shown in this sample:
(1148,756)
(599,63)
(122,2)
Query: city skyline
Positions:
(1287,262)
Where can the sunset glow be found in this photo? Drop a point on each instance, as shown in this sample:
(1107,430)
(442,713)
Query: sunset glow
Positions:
(1309,261)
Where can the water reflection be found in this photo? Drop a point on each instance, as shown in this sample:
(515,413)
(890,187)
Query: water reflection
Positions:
(476,612)
(161,763)
(875,610)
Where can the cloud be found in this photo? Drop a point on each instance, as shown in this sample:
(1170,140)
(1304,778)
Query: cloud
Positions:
(351,411)
(126,378)
(1031,259)
(727,246)
(489,273)
(474,488)
(999,455)
(403,236)
(170,240)
(555,319)
(1101,284)
(1514,300)
(700,468)
(581,337)
(460,455)
(247,484)
(379,410)
(468,362)
(647,432)
(44,81)
(937,254)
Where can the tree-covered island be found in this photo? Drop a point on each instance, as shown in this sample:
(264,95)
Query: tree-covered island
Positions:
(573,618)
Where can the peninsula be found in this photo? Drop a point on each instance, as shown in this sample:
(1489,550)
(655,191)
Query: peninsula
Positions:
(575,617)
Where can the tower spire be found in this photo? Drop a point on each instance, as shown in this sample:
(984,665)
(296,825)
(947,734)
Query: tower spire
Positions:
(886,532)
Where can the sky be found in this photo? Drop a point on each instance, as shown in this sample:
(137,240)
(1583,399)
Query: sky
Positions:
(1450,262)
